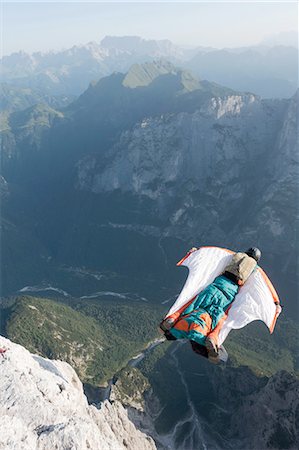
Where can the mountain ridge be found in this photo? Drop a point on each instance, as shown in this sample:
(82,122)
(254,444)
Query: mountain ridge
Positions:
(70,71)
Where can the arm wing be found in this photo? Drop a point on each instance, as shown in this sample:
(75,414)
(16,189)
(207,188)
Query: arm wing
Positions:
(256,300)
(204,265)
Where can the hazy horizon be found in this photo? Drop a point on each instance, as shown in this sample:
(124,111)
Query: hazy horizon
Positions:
(54,26)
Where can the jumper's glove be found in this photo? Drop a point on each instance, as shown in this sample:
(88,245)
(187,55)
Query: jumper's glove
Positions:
(166,324)
(193,249)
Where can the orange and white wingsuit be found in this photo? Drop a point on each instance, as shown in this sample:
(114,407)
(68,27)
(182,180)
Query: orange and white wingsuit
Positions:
(255,300)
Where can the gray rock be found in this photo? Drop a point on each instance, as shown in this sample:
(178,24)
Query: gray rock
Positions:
(42,406)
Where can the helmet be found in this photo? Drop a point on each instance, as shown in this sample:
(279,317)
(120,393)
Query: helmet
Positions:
(254,253)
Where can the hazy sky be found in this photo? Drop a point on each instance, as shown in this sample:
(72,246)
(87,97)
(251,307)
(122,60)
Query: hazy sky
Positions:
(43,26)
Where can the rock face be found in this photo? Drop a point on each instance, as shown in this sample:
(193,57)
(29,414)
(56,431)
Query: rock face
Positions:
(226,173)
(42,406)
(165,152)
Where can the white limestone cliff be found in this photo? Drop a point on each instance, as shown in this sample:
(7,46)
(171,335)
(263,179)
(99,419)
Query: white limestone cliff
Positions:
(42,407)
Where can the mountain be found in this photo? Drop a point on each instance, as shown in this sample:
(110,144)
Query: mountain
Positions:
(70,71)
(271,72)
(287,38)
(63,73)
(138,46)
(13,98)
(43,406)
(26,129)
(37,160)
(100,114)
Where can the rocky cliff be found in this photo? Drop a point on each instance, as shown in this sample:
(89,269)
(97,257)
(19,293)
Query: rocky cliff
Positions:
(42,406)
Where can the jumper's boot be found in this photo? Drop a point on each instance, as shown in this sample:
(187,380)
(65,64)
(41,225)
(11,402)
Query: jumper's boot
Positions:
(216,354)
(223,355)
(212,348)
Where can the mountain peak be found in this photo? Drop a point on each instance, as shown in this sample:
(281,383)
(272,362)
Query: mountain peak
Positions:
(144,74)
(136,44)
(141,75)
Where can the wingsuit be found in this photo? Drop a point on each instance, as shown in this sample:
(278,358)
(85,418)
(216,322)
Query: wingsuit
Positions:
(202,319)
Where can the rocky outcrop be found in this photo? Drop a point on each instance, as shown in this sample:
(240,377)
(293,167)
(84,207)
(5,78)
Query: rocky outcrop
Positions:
(42,406)
(129,389)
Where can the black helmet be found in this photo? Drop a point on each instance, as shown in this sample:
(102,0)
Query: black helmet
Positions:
(254,253)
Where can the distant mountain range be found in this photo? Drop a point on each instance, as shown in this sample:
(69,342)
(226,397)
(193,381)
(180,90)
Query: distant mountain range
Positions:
(271,72)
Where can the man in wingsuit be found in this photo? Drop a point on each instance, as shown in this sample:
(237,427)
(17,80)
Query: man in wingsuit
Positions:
(202,320)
